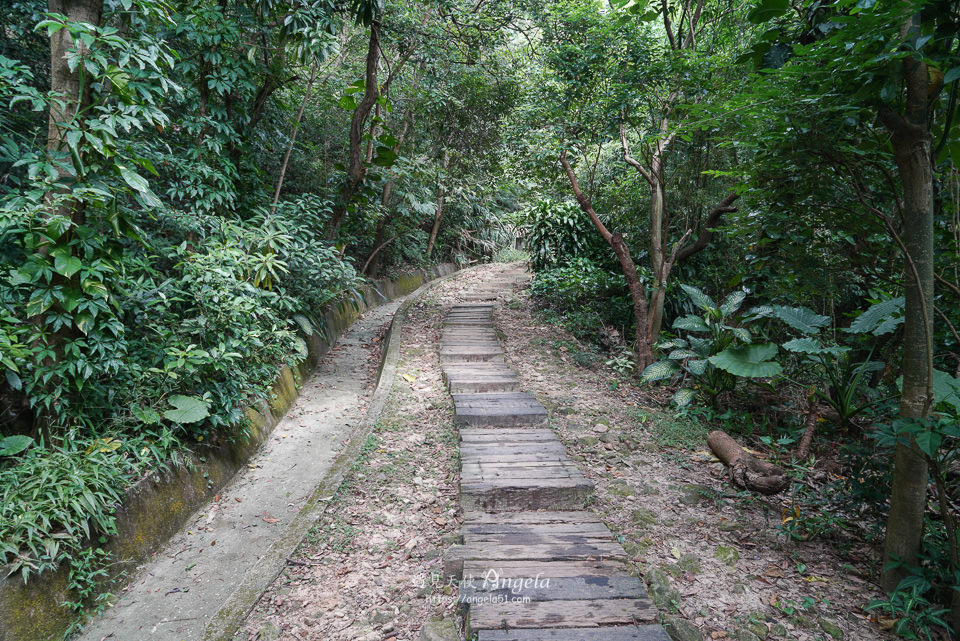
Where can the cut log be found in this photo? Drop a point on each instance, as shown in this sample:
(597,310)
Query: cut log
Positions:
(746,470)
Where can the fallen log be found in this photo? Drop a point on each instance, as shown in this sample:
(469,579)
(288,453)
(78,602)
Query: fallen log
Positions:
(746,470)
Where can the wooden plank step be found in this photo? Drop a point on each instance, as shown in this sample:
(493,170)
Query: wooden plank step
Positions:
(547,589)
(504,552)
(512,495)
(516,468)
(559,614)
(496,449)
(506,435)
(481,530)
(476,474)
(490,369)
(487,385)
(572,538)
(646,632)
(467,355)
(523,457)
(505,410)
(480,568)
(529,517)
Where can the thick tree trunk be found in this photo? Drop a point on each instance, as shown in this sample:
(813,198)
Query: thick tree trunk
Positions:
(441,195)
(73,97)
(912,151)
(746,470)
(73,94)
(643,344)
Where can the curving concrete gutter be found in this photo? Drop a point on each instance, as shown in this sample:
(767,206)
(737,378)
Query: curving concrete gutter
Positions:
(231,615)
(157,506)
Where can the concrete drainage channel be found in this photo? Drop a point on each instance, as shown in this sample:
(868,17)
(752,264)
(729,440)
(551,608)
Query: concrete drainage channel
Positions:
(212,570)
(231,615)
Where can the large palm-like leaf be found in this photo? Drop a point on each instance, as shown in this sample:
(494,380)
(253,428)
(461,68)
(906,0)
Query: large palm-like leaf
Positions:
(732,302)
(812,346)
(880,318)
(750,361)
(700,299)
(691,324)
(659,371)
(801,319)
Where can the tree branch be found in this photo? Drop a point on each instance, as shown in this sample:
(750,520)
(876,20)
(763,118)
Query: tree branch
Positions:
(706,234)
(582,200)
(630,160)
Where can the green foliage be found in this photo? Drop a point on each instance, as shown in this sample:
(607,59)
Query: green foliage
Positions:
(592,300)
(909,605)
(558,232)
(717,350)
(844,387)
(54,499)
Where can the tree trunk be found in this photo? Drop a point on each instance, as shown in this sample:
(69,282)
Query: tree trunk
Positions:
(441,194)
(356,169)
(643,345)
(293,138)
(73,94)
(657,250)
(912,151)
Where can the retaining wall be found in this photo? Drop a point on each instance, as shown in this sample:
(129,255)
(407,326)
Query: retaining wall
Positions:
(157,506)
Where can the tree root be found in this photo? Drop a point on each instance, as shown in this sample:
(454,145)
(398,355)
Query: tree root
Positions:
(747,471)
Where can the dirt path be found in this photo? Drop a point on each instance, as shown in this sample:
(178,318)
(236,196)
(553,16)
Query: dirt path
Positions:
(714,560)
(174,595)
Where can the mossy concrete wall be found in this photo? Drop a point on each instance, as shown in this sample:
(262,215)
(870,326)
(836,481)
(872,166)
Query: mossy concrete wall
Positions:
(157,506)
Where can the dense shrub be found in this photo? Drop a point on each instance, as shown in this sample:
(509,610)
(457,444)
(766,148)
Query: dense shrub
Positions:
(591,299)
(557,232)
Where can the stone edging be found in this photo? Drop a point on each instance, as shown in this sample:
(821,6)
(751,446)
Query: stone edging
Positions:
(157,506)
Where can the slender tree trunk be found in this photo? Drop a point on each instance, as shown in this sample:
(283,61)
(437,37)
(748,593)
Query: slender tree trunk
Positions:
(912,150)
(375,260)
(441,194)
(356,169)
(293,138)
(68,85)
(658,259)
(643,346)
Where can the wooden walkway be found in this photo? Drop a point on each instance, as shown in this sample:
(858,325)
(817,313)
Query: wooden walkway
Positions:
(534,565)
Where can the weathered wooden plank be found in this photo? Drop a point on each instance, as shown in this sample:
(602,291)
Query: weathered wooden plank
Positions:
(560,494)
(559,614)
(480,466)
(507,435)
(493,449)
(647,632)
(501,552)
(530,538)
(494,529)
(492,587)
(467,356)
(507,477)
(543,469)
(507,410)
(521,457)
(530,517)
(480,568)
(506,431)
(486,385)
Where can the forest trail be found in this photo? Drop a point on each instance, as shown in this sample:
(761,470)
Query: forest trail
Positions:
(175,594)
(376,566)
(534,562)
